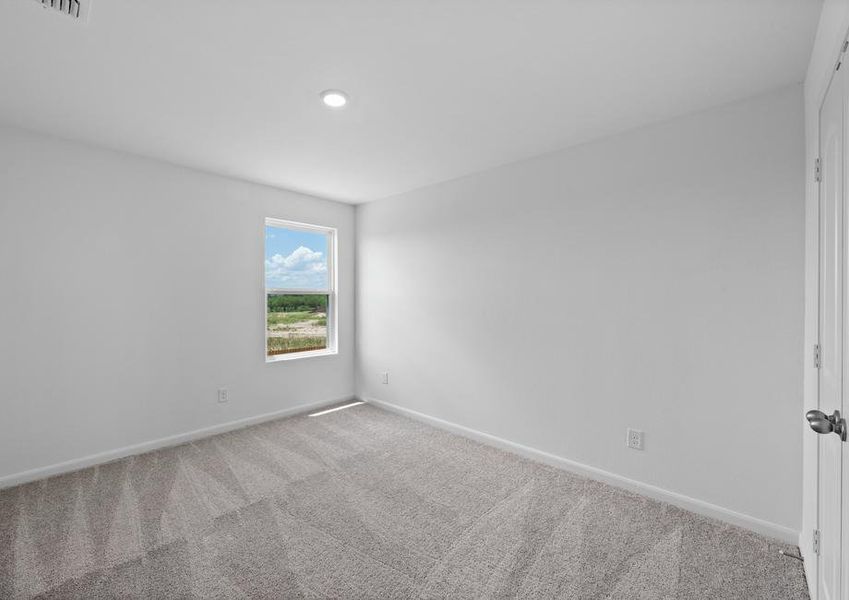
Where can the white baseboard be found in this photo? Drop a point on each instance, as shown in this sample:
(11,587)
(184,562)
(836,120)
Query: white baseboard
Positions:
(773,530)
(172,440)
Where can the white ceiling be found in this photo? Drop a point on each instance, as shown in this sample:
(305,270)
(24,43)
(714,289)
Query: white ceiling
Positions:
(439,88)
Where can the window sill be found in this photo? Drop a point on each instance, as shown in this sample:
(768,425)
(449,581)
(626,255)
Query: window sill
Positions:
(297,355)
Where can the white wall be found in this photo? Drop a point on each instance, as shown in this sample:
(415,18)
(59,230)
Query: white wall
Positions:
(652,280)
(131,290)
(834,22)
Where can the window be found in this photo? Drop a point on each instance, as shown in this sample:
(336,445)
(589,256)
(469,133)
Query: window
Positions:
(300,290)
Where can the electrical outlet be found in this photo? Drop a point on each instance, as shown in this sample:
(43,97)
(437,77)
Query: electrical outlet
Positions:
(223,395)
(384,377)
(634,439)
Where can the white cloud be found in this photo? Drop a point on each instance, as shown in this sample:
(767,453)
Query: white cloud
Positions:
(303,268)
(301,258)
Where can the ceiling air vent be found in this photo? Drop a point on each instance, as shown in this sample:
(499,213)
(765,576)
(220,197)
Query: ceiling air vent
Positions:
(75,9)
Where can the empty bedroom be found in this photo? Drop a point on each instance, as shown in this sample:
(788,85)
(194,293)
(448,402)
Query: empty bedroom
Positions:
(376,299)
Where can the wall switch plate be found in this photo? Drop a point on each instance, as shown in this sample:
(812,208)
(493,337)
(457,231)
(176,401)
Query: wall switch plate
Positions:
(384,377)
(223,395)
(635,439)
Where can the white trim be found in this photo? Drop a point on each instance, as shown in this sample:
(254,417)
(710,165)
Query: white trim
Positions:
(293,292)
(300,354)
(172,440)
(299,225)
(773,530)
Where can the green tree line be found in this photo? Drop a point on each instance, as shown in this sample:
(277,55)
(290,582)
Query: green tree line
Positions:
(297,303)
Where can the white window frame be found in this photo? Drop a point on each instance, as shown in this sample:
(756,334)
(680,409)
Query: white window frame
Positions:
(331,293)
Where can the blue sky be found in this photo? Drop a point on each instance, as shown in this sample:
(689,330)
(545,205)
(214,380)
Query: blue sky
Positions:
(295,259)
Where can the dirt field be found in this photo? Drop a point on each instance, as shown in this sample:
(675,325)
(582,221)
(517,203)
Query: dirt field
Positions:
(294,331)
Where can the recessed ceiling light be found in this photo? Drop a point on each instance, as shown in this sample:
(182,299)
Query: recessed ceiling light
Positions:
(334,98)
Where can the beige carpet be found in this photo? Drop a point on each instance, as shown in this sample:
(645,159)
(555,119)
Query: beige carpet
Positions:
(362,503)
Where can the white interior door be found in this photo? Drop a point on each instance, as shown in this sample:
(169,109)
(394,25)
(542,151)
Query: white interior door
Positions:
(832,337)
(840,188)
